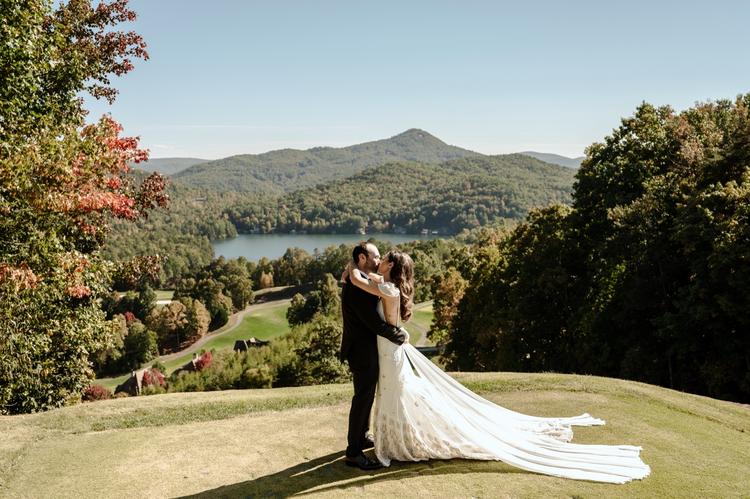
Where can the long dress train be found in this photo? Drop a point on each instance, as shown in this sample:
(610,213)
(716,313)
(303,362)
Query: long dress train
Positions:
(422,413)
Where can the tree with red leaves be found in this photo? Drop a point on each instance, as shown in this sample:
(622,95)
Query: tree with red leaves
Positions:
(61,181)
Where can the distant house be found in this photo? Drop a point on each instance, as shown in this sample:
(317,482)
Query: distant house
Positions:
(189,367)
(360,231)
(245,345)
(132,385)
(424,232)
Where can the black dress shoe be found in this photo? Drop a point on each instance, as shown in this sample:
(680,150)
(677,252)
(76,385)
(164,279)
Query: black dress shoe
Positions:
(363,462)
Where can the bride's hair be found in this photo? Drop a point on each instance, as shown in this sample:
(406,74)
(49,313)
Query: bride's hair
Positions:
(402,275)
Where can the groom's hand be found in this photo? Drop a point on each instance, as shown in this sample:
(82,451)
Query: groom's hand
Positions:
(400,336)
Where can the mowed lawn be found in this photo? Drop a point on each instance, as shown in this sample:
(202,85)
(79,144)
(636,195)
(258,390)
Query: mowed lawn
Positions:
(422,318)
(290,441)
(263,324)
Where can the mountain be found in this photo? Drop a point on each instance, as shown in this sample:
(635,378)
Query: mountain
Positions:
(291,169)
(447,197)
(168,166)
(555,159)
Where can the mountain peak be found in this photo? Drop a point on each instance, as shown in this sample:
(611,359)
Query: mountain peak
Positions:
(417,135)
(290,169)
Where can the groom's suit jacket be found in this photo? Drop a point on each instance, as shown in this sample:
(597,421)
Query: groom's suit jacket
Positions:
(362,326)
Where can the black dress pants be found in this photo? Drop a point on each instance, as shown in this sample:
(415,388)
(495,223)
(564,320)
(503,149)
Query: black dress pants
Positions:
(365,383)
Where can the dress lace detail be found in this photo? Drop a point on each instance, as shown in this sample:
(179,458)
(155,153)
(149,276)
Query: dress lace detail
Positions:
(422,413)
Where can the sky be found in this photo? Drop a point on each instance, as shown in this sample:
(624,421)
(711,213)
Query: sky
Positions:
(232,77)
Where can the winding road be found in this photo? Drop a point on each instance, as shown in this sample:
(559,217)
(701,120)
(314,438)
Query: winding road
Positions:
(234,320)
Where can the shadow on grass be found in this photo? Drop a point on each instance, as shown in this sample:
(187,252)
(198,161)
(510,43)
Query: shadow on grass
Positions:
(328,473)
(283,293)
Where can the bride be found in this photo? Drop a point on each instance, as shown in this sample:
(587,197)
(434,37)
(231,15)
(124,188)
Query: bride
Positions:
(422,413)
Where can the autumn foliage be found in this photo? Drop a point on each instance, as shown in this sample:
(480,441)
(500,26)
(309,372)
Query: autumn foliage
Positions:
(61,182)
(203,361)
(96,392)
(153,377)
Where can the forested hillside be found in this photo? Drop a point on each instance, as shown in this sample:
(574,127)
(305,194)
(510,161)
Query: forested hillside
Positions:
(180,234)
(168,166)
(292,169)
(555,159)
(449,197)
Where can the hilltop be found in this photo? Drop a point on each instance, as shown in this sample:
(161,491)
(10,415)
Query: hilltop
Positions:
(291,169)
(286,441)
(555,159)
(168,166)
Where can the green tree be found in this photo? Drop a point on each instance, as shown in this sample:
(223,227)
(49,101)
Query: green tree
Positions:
(146,302)
(169,322)
(197,319)
(316,360)
(448,292)
(643,278)
(324,300)
(60,182)
(139,347)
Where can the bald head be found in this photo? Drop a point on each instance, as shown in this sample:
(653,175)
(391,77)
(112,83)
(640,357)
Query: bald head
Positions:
(366,257)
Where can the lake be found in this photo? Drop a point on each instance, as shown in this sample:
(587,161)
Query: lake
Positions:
(255,246)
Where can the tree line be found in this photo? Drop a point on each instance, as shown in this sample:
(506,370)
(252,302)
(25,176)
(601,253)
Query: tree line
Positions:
(449,197)
(644,277)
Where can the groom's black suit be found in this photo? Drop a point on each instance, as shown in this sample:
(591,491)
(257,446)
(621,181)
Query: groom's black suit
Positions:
(359,347)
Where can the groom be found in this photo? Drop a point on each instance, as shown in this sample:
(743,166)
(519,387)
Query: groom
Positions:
(362,325)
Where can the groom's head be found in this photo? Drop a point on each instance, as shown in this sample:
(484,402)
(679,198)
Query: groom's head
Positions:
(366,257)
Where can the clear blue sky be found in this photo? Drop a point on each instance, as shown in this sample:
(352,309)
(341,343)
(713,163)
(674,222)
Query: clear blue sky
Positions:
(232,76)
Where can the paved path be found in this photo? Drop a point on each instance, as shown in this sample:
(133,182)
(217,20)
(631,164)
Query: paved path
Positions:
(234,321)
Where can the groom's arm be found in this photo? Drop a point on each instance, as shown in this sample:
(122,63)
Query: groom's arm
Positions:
(367,314)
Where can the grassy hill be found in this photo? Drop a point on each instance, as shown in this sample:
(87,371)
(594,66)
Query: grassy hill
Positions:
(280,442)
(291,169)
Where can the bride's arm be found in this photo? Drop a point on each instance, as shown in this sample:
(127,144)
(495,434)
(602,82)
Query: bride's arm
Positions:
(358,279)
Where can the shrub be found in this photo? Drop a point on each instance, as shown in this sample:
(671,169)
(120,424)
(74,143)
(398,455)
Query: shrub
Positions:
(159,366)
(152,377)
(257,377)
(153,390)
(96,392)
(203,361)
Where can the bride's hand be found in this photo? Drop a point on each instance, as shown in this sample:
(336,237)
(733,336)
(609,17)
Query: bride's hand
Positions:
(347,271)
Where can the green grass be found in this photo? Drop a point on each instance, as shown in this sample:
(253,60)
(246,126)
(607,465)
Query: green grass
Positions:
(422,317)
(161,294)
(164,294)
(286,441)
(264,324)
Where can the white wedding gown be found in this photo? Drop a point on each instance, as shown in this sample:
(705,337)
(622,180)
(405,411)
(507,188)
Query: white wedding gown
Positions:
(422,413)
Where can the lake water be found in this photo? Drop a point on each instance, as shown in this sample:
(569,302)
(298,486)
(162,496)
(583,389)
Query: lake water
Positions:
(255,246)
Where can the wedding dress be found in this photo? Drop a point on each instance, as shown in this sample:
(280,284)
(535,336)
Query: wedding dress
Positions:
(422,413)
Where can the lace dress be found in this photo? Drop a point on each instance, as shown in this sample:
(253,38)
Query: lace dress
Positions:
(422,413)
